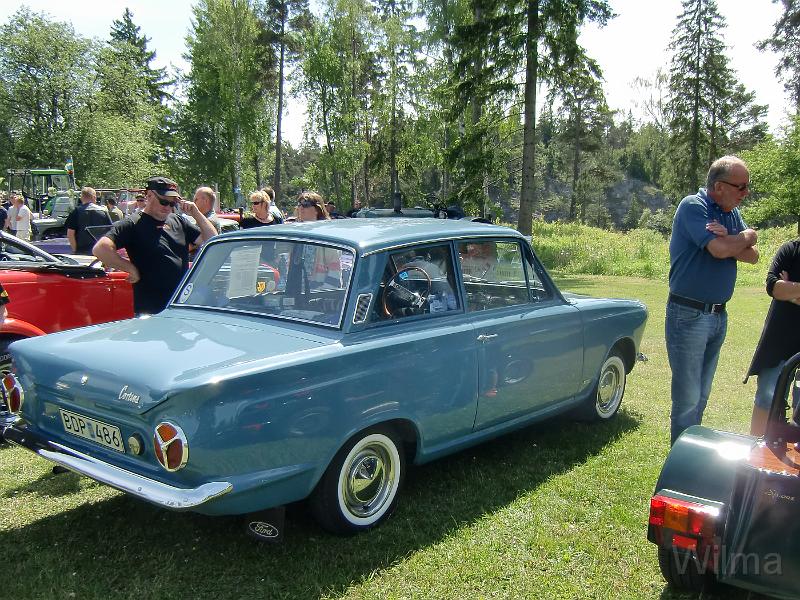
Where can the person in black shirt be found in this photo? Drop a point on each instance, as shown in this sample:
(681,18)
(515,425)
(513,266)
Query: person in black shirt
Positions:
(3,302)
(779,340)
(88,214)
(157,242)
(259,203)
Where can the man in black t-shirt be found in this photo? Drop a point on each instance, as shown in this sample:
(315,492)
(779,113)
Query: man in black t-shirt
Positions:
(87,214)
(157,242)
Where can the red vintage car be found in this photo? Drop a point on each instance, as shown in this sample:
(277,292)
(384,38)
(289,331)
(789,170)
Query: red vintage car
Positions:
(51,293)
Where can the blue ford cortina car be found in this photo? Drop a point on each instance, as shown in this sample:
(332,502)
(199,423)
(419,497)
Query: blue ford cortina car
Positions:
(316,361)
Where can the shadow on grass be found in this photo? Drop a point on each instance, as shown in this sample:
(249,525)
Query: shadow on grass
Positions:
(126,547)
(48,486)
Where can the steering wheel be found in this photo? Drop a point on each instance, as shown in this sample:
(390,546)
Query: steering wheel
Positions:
(397,298)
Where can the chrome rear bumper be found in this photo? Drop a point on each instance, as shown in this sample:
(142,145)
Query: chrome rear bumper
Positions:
(131,483)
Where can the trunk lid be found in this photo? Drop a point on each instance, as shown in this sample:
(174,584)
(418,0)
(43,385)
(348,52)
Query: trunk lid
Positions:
(136,364)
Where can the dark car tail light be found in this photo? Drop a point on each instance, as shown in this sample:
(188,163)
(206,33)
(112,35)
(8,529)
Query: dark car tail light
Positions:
(684,524)
(13,395)
(171,446)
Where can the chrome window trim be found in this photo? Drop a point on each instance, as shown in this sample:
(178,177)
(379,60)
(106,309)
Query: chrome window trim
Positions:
(369,296)
(450,238)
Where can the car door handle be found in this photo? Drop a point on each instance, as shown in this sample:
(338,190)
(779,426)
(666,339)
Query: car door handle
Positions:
(486,336)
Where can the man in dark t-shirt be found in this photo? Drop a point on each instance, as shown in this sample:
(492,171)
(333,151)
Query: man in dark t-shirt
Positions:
(86,215)
(157,242)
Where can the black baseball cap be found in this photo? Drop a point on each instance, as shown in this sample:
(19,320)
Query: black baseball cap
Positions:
(163,187)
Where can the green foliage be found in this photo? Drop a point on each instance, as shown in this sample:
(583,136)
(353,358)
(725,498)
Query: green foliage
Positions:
(45,81)
(132,48)
(774,168)
(785,41)
(572,248)
(439,104)
(710,113)
(631,220)
(659,221)
(116,151)
(224,116)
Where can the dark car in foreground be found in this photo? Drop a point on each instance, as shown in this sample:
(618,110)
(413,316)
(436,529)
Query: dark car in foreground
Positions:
(725,507)
(316,361)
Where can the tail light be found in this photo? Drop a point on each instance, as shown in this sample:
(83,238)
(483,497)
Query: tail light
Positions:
(684,524)
(171,446)
(13,396)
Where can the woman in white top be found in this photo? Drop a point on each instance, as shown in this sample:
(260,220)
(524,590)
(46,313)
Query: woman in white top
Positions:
(19,219)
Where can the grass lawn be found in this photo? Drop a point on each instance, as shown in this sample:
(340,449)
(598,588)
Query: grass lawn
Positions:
(555,511)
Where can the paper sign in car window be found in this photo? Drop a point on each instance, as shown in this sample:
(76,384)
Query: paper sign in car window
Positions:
(244,271)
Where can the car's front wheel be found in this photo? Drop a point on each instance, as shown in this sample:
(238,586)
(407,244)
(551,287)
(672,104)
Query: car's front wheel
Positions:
(606,398)
(359,489)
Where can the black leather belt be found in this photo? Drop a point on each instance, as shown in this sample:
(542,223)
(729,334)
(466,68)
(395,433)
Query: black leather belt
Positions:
(704,306)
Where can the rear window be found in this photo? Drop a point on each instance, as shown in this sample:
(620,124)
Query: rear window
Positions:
(282,279)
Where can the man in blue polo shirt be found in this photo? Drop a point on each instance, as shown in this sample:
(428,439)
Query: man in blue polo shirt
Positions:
(708,238)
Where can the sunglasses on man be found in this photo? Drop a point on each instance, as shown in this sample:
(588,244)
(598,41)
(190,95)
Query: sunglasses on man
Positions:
(165,202)
(742,188)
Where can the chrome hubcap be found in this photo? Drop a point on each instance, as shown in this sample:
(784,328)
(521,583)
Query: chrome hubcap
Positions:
(368,481)
(610,387)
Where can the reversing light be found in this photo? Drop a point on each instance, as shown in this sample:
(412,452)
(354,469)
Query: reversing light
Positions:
(171,446)
(13,395)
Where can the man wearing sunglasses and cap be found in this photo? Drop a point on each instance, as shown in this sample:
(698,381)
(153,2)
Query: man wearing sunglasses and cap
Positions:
(157,242)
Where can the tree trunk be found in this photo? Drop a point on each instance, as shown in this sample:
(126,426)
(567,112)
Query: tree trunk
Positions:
(694,151)
(576,161)
(329,143)
(257,168)
(527,197)
(276,179)
(477,112)
(237,166)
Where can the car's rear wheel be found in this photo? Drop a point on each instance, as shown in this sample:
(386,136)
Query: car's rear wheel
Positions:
(606,398)
(682,571)
(359,488)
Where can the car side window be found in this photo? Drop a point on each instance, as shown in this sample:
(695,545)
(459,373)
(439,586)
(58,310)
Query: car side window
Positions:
(417,281)
(494,274)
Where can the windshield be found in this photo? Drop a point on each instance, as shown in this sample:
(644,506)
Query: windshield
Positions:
(278,278)
(12,252)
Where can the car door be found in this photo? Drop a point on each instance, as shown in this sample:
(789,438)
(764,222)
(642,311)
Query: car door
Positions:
(530,355)
(423,353)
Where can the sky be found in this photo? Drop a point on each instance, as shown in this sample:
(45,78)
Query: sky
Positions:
(634,44)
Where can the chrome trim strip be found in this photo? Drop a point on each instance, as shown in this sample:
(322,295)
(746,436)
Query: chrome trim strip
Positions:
(363,303)
(131,483)
(471,236)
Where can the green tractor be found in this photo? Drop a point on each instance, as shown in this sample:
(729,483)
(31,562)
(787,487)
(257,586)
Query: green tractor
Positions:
(51,195)
(40,186)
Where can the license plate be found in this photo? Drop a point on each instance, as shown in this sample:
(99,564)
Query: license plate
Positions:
(90,429)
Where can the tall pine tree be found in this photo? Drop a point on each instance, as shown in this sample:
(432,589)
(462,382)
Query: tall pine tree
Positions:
(785,41)
(707,108)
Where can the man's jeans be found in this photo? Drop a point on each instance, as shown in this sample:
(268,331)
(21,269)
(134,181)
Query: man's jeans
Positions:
(694,339)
